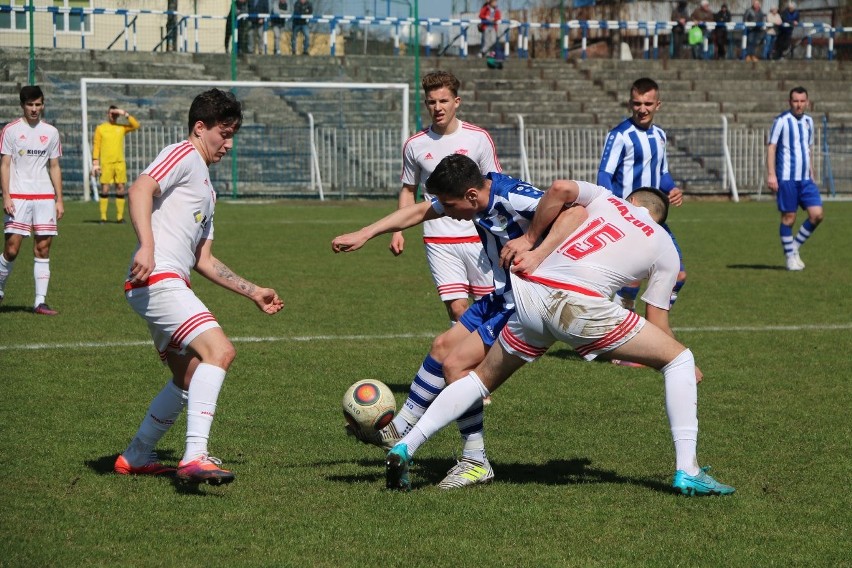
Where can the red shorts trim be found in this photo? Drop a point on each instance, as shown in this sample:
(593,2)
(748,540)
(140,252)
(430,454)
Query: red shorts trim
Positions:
(32,196)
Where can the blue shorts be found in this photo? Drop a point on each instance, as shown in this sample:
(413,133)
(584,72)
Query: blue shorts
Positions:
(487,316)
(795,194)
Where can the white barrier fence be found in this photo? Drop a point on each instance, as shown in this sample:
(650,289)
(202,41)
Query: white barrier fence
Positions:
(366,162)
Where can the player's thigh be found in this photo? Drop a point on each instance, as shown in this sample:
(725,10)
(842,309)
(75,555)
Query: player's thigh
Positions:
(787,196)
(107,174)
(464,357)
(44,217)
(498,366)
(213,346)
(449,271)
(650,346)
(174,314)
(22,222)
(120,172)
(447,341)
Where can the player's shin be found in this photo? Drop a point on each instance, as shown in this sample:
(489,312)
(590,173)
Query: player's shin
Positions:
(161,415)
(201,407)
(682,409)
(452,403)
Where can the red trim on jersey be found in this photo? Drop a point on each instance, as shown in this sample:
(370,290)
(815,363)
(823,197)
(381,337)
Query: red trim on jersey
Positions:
(153,279)
(170,161)
(521,346)
(561,285)
(612,337)
(32,196)
(469,126)
(451,240)
(3,134)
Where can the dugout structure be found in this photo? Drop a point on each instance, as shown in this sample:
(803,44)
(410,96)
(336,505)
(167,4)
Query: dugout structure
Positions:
(298,139)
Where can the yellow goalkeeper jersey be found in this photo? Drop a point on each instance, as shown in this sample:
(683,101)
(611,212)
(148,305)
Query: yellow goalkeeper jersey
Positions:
(109,141)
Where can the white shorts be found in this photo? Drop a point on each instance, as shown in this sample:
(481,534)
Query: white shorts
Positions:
(32,215)
(585,320)
(174,314)
(460,270)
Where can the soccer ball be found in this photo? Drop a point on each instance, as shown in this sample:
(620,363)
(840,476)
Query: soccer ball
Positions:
(369,405)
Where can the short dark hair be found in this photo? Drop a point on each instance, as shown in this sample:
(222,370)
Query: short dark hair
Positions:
(652,199)
(799,90)
(439,79)
(643,85)
(30,93)
(454,175)
(216,107)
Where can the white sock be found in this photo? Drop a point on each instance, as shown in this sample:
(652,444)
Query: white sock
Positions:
(682,409)
(201,407)
(453,401)
(41,275)
(5,271)
(161,415)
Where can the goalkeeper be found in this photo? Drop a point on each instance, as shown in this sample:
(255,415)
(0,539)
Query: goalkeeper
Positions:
(108,159)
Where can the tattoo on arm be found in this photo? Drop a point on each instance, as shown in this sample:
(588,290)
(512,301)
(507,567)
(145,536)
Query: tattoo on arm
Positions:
(240,283)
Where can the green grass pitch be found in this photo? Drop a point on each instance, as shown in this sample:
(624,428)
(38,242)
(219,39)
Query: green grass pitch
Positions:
(582,452)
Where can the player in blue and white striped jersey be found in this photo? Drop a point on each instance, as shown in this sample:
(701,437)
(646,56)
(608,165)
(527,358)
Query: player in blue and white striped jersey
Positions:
(790,174)
(501,209)
(634,156)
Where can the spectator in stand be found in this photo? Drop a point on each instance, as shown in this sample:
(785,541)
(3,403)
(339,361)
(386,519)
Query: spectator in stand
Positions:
(242,27)
(277,22)
(680,17)
(700,16)
(489,15)
(256,25)
(756,34)
(300,25)
(720,32)
(773,21)
(789,20)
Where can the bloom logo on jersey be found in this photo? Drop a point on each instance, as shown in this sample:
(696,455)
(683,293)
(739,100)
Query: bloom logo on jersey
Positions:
(628,216)
(30,152)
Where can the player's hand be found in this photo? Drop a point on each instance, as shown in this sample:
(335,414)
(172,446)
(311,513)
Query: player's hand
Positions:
(268,301)
(397,244)
(60,210)
(772,182)
(527,262)
(699,376)
(348,243)
(9,206)
(513,248)
(142,266)
(676,197)
(96,170)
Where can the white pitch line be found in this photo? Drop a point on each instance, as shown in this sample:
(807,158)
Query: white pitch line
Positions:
(422,335)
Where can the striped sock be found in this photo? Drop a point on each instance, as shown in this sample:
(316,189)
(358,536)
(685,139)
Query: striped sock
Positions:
(427,384)
(787,239)
(804,233)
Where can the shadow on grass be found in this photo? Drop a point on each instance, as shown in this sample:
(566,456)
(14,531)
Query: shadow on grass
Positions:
(575,471)
(756,267)
(10,309)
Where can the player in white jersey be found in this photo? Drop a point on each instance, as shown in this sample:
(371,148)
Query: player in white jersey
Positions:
(567,296)
(501,207)
(634,156)
(31,180)
(453,249)
(171,208)
(790,175)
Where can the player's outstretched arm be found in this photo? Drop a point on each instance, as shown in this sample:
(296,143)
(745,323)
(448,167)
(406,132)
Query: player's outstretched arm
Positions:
(215,270)
(396,221)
